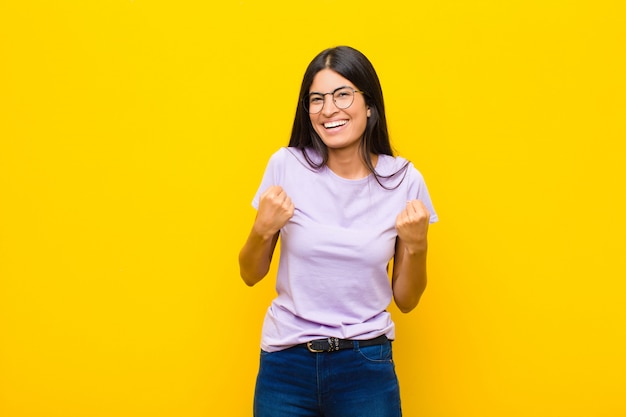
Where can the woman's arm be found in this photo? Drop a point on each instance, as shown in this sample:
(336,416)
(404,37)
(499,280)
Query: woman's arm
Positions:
(255,258)
(409,275)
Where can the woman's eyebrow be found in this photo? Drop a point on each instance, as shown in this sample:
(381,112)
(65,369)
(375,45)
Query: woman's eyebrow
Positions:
(330,92)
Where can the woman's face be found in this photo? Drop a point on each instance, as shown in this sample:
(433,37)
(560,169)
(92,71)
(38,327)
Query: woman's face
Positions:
(338,128)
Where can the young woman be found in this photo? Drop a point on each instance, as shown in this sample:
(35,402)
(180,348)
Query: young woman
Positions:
(344,207)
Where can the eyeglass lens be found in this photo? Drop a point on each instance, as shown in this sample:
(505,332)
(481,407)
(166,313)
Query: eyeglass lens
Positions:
(343,98)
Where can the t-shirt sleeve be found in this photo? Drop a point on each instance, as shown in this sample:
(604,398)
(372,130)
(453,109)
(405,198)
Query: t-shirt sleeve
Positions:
(419,191)
(270,176)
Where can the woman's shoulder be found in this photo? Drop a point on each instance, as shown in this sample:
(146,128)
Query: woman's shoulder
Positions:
(286,156)
(397,170)
(389,165)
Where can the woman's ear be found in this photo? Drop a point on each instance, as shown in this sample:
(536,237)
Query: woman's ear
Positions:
(369,112)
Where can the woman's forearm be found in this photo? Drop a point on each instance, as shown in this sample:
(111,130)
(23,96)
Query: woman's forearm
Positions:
(409,277)
(255,257)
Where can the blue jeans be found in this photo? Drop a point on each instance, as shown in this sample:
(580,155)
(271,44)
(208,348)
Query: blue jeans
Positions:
(358,382)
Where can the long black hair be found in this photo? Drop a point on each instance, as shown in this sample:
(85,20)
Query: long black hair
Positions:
(355,67)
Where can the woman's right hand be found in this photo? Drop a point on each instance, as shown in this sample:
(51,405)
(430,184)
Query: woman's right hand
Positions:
(275,210)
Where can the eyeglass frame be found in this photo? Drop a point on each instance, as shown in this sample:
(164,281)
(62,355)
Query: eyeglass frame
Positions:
(332,94)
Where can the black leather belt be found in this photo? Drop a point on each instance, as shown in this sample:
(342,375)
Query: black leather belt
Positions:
(333,344)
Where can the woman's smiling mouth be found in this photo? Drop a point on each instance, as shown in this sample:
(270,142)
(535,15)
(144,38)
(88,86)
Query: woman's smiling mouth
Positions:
(336,123)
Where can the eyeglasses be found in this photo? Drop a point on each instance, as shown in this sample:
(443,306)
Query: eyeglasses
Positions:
(343,97)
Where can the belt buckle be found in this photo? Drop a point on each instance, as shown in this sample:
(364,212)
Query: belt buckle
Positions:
(309,345)
(333,345)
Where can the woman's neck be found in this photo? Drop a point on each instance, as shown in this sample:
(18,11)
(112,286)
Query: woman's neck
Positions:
(349,164)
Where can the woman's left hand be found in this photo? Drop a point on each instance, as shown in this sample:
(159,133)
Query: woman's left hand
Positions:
(412,226)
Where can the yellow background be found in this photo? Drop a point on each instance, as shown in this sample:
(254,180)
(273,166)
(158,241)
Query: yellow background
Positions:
(133,135)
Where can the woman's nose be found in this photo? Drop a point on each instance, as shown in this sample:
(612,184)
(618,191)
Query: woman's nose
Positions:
(329,105)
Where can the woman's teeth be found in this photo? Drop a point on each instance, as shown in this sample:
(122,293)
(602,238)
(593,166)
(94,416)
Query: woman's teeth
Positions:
(337,123)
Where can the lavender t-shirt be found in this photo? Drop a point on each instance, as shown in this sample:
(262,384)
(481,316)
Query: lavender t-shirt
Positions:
(332,277)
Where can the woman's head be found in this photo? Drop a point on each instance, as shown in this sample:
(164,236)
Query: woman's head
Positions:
(353,66)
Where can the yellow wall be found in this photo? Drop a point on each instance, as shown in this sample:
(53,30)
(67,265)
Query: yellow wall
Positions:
(133,135)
